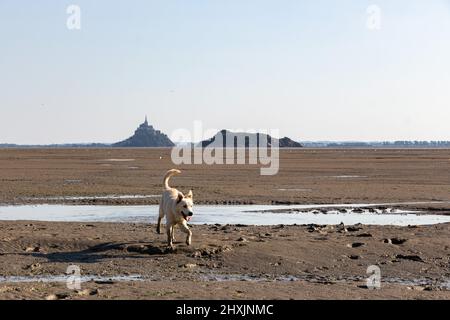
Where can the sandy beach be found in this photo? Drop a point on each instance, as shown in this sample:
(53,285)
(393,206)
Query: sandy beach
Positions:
(225,261)
(306,176)
(130,261)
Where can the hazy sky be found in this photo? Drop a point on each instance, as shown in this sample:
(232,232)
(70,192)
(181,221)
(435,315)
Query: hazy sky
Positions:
(310,68)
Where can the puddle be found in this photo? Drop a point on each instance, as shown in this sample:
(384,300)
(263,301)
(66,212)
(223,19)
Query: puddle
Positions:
(387,207)
(69,181)
(118,160)
(251,278)
(107,197)
(443,284)
(65,278)
(247,215)
(348,177)
(343,210)
(294,189)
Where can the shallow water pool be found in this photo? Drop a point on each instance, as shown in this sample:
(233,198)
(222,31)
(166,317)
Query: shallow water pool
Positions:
(248,215)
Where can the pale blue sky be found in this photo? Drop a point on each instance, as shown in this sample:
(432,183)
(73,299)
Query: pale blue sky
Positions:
(310,68)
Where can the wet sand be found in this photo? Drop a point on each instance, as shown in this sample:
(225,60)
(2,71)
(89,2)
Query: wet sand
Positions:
(306,176)
(225,261)
(264,262)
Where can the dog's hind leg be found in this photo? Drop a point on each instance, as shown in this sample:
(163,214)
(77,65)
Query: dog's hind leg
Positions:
(158,227)
(184,227)
(161,215)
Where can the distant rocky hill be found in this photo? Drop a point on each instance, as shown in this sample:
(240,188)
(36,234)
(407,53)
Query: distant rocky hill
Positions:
(244,139)
(146,136)
(289,143)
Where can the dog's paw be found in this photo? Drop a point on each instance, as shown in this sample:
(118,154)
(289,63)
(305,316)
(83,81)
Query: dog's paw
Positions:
(170,249)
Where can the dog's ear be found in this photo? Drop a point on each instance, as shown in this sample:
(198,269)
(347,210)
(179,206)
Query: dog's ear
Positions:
(190,195)
(180,197)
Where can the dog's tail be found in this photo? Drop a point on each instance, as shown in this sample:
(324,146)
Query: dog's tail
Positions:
(167,177)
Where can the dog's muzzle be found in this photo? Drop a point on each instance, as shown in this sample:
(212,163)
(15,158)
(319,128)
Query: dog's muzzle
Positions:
(188,216)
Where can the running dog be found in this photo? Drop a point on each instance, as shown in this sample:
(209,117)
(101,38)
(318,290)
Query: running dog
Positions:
(177,208)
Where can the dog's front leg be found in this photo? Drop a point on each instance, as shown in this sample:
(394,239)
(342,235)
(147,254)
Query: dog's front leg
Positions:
(169,230)
(173,234)
(184,227)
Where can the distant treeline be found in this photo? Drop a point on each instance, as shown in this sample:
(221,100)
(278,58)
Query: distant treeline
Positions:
(309,144)
(381,144)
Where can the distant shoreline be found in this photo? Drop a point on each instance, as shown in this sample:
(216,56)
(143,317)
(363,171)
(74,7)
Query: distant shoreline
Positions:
(306,147)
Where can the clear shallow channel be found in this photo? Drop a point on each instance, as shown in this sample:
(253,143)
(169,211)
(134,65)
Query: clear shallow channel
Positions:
(207,214)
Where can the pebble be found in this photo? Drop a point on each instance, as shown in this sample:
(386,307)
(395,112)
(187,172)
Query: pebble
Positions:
(57,296)
(88,292)
(364,235)
(356,245)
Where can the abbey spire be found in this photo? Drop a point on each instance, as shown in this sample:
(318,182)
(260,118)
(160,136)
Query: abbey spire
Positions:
(146,136)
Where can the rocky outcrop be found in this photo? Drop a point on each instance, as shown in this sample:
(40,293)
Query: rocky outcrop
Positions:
(247,140)
(289,143)
(146,136)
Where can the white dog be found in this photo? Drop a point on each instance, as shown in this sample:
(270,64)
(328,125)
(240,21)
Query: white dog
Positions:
(177,208)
